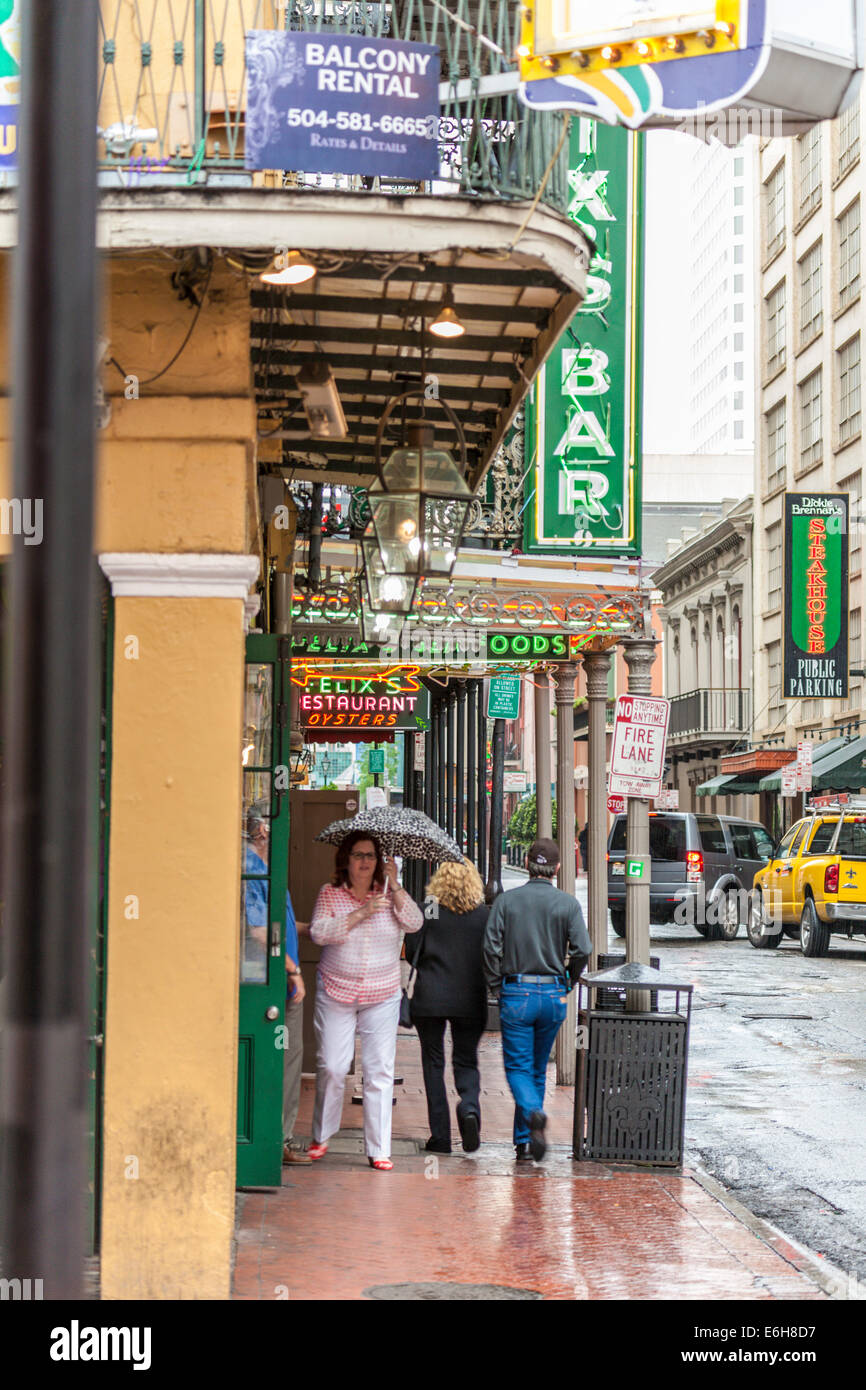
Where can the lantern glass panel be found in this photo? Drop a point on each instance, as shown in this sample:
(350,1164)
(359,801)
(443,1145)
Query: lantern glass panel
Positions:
(386,592)
(424,470)
(443,527)
(397,521)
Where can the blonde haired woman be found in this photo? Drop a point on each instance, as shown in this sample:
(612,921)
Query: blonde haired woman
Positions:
(450,989)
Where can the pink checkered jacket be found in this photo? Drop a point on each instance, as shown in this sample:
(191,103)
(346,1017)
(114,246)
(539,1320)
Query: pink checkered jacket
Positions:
(362,966)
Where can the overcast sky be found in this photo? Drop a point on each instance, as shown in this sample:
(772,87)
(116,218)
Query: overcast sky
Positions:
(666,294)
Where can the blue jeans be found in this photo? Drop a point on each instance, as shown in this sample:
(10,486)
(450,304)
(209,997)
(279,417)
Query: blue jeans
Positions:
(530,1017)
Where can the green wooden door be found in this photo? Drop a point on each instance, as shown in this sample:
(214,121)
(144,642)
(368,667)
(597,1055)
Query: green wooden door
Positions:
(264,879)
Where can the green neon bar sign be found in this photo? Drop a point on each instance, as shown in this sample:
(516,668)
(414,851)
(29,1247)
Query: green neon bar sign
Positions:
(583,415)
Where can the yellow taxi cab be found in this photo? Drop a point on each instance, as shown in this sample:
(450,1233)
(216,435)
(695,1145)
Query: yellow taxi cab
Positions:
(815,882)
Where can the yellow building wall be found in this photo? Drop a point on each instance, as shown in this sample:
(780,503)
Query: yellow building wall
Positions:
(172,965)
(176,475)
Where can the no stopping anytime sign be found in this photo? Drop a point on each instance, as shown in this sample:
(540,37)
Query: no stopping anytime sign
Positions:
(637,758)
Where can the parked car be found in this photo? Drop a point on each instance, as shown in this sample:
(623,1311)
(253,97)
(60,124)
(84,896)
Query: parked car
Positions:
(703,868)
(814,883)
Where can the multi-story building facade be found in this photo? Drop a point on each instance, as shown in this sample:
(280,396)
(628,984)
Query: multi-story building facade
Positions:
(721,336)
(706,590)
(809,312)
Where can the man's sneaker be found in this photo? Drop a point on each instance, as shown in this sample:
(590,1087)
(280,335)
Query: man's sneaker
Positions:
(537,1143)
(292,1155)
(470,1131)
(522,1154)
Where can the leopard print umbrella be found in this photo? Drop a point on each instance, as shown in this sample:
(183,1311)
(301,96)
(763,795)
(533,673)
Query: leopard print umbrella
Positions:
(400,831)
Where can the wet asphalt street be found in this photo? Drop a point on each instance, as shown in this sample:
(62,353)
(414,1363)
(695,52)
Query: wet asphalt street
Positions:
(776,1105)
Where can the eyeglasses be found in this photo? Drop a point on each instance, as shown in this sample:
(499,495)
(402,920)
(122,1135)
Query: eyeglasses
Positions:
(362,855)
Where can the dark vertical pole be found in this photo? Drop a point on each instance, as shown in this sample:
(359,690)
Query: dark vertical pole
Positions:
(449,761)
(50,682)
(461,762)
(433,772)
(482,780)
(497,796)
(430,762)
(471,768)
(408,767)
(314,554)
(419,876)
(442,713)
(408,788)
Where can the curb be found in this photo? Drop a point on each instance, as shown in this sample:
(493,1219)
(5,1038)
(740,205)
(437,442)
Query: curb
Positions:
(829,1278)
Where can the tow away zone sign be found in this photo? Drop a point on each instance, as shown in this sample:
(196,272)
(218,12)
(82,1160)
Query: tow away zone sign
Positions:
(637,758)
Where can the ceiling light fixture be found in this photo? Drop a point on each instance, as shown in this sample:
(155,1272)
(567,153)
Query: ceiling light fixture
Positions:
(321,398)
(288,268)
(447,324)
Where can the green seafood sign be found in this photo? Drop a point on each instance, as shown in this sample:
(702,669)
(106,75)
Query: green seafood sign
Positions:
(582,437)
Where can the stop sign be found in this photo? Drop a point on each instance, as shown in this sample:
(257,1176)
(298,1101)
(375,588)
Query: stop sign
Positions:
(616,805)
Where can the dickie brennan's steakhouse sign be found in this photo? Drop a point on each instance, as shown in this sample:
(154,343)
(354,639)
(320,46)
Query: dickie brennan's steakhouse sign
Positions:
(392,699)
(816,596)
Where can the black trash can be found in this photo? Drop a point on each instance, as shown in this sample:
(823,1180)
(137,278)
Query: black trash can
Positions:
(630,1097)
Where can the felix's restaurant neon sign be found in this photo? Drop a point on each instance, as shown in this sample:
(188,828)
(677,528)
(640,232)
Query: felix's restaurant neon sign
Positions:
(390,699)
(816,596)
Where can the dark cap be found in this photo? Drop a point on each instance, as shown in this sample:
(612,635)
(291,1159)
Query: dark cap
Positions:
(544,852)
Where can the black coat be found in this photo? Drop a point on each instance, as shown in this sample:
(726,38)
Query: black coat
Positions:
(450,980)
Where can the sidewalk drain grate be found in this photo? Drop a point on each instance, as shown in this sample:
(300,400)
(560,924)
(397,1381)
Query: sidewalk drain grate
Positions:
(432,1292)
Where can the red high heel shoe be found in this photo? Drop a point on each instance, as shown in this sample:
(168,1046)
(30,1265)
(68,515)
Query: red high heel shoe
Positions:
(384,1165)
(317,1151)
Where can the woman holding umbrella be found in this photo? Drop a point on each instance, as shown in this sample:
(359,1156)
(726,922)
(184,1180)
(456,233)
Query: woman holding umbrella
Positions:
(359,920)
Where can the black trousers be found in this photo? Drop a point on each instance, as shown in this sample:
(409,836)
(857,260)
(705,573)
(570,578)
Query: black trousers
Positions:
(465,1036)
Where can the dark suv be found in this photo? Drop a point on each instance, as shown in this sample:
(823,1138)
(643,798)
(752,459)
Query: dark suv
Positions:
(702,870)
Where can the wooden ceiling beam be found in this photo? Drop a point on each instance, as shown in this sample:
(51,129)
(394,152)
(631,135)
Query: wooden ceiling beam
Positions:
(326,303)
(497,277)
(364,362)
(395,337)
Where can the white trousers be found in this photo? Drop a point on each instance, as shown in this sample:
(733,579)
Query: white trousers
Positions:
(335,1026)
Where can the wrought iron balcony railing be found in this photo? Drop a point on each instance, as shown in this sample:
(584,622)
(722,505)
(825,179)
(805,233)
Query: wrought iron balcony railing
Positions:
(711,714)
(172,98)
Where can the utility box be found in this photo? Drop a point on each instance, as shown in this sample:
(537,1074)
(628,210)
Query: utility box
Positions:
(630,1096)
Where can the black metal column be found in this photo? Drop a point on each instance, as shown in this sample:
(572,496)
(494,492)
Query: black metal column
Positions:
(50,684)
(497,796)
(437,756)
(459,829)
(409,865)
(442,770)
(471,767)
(449,759)
(430,763)
(482,779)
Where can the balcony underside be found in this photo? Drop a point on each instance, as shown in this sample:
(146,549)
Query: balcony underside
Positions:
(384,264)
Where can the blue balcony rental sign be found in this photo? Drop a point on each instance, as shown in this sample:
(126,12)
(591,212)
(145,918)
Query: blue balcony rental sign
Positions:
(342,104)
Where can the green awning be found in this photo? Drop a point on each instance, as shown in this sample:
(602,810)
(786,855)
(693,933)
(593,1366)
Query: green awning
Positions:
(714,786)
(773,780)
(844,770)
(729,784)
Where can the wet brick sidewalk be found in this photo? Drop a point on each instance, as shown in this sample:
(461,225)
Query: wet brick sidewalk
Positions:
(339,1230)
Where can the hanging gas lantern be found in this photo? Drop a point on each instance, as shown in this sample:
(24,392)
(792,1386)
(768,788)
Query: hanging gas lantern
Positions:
(420,501)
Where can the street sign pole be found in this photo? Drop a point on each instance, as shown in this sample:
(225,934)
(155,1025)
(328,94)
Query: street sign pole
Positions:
(639,655)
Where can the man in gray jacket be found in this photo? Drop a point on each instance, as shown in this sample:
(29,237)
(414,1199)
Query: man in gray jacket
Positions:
(529,933)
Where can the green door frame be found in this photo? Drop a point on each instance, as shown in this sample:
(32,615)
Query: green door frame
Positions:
(261,1018)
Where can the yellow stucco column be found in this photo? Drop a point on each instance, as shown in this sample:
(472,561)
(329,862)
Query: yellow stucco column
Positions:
(172,963)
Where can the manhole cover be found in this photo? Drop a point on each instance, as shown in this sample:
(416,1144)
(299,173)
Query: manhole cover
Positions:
(425,1293)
